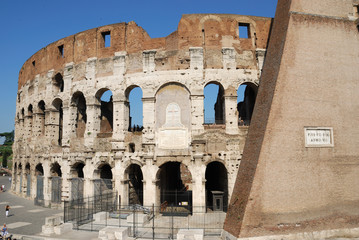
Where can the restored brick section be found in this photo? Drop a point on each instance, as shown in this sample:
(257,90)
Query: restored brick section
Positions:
(309,79)
(247,170)
(210,31)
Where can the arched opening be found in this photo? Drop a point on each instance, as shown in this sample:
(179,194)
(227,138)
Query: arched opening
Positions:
(56,183)
(41,117)
(135,185)
(175,186)
(28,179)
(216,187)
(214,105)
(14,180)
(246,98)
(105,98)
(103,183)
(79,102)
(20,174)
(134,98)
(58,118)
(173,116)
(58,83)
(30,120)
(39,173)
(77,181)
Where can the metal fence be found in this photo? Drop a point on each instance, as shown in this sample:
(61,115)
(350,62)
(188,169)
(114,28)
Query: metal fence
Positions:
(153,222)
(81,211)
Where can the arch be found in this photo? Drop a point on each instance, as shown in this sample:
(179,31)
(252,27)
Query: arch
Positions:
(216,186)
(28,179)
(246,98)
(58,83)
(79,102)
(173,93)
(103,181)
(134,106)
(58,116)
(77,180)
(55,170)
(169,84)
(175,182)
(56,182)
(41,107)
(39,173)
(39,170)
(104,97)
(77,169)
(30,119)
(214,104)
(135,185)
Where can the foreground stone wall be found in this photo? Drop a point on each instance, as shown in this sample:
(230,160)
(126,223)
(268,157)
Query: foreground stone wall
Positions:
(65,130)
(300,165)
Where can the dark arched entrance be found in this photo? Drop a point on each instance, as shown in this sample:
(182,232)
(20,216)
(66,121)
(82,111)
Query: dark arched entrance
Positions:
(216,186)
(135,185)
(175,185)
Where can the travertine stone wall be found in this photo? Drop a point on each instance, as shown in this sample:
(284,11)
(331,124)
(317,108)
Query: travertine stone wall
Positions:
(172,73)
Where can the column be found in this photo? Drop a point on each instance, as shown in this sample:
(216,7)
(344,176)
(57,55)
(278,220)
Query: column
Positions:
(198,171)
(231,112)
(148,132)
(197,114)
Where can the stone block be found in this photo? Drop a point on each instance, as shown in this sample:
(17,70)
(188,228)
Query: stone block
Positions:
(100,216)
(190,234)
(63,228)
(140,218)
(53,221)
(108,233)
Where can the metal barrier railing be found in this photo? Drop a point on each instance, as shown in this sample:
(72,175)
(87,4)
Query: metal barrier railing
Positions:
(151,222)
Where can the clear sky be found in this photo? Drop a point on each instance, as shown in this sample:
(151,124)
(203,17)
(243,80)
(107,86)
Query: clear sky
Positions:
(28,26)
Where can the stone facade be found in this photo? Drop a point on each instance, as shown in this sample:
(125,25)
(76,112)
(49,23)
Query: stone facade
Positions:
(71,143)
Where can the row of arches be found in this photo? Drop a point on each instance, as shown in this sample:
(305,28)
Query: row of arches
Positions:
(174,182)
(214,109)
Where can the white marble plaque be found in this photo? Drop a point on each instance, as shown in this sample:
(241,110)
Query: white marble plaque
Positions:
(173,138)
(318,137)
(173,134)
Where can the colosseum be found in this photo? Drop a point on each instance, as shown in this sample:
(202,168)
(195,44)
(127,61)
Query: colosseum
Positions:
(76,134)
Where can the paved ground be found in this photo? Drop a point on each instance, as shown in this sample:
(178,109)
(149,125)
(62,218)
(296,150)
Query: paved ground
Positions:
(27,219)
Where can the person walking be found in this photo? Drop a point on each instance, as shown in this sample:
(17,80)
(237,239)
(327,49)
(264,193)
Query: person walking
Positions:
(7,209)
(4,231)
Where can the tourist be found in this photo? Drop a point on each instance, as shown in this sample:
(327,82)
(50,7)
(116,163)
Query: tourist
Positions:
(7,209)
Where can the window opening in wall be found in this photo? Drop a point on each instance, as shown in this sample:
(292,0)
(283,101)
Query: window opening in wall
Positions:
(61,50)
(18,97)
(246,97)
(135,110)
(58,82)
(41,117)
(106,124)
(243,30)
(79,101)
(106,38)
(33,63)
(213,104)
(131,147)
(59,118)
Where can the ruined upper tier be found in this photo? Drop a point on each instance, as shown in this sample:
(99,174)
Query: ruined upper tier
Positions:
(212,32)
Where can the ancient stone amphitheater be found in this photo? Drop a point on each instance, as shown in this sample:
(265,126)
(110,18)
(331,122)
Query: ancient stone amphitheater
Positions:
(75,132)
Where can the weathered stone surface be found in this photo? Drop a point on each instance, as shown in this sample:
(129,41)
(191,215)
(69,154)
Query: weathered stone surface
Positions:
(68,140)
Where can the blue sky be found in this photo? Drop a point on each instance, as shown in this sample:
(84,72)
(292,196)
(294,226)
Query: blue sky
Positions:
(28,26)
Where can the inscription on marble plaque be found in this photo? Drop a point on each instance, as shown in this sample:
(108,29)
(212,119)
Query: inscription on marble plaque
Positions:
(318,137)
(173,134)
